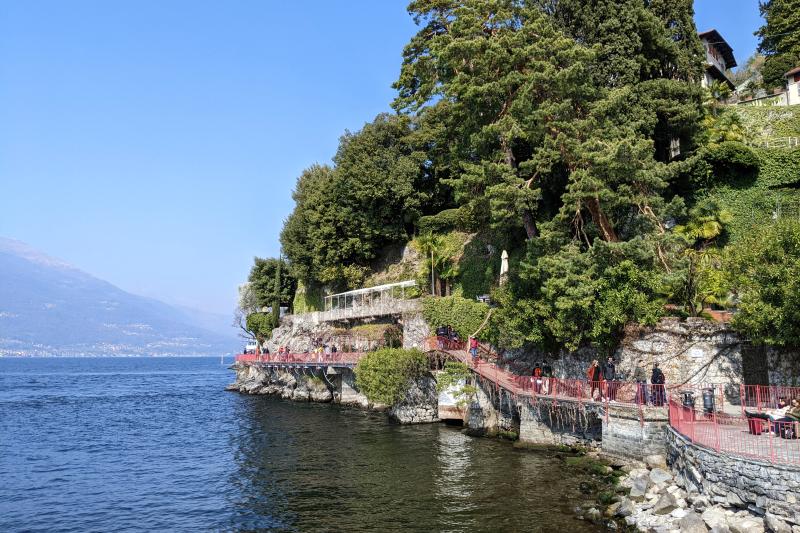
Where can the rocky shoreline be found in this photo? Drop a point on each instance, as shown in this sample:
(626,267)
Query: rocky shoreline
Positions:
(419,405)
(652,499)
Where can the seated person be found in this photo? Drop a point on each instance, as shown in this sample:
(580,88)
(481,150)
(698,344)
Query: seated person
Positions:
(790,413)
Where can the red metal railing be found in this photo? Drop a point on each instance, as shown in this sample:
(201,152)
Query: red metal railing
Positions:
(621,392)
(761,397)
(757,438)
(341,358)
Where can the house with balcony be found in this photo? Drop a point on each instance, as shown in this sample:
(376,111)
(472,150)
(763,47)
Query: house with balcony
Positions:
(719,58)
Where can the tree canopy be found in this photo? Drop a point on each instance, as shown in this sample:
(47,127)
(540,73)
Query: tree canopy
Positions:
(573,134)
(779,39)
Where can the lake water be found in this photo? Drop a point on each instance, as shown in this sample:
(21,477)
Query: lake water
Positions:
(156,444)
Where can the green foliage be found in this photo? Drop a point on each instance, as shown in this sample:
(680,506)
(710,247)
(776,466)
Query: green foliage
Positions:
(463,315)
(261,325)
(760,123)
(440,253)
(779,39)
(308,299)
(385,375)
(263,276)
(446,221)
(758,201)
(698,280)
(570,297)
(345,215)
(764,269)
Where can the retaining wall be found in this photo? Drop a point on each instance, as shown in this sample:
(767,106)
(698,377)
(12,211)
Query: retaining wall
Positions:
(736,481)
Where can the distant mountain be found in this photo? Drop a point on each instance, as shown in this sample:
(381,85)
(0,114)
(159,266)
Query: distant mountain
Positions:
(48,307)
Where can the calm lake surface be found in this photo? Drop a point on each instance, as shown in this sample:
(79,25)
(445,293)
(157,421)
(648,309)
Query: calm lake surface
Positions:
(156,444)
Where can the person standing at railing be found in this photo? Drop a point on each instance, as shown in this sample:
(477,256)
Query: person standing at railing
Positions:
(547,375)
(640,377)
(657,379)
(536,378)
(595,376)
(610,374)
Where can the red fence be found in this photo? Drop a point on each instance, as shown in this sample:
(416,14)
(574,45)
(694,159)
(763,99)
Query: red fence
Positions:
(761,397)
(335,358)
(621,392)
(757,438)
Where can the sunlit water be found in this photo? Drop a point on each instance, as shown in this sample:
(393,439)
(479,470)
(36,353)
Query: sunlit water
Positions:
(155,444)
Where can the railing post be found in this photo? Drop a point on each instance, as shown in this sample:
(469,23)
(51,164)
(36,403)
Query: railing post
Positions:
(758,397)
(771,448)
(742,395)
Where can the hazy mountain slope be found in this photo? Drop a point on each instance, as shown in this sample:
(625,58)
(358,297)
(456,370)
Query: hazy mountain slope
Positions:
(50,308)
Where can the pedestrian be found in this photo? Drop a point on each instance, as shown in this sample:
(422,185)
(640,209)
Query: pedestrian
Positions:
(536,377)
(610,374)
(473,348)
(547,376)
(657,379)
(334,349)
(640,377)
(595,377)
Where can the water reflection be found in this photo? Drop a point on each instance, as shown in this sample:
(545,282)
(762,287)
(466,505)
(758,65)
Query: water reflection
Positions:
(304,467)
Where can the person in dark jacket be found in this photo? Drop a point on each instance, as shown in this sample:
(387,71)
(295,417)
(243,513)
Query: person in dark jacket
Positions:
(657,379)
(610,374)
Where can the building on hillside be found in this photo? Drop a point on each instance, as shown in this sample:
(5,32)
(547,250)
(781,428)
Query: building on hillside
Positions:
(780,96)
(793,86)
(719,58)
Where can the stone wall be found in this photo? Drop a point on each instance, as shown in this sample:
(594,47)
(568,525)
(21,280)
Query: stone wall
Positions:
(631,434)
(490,411)
(415,330)
(760,487)
(563,422)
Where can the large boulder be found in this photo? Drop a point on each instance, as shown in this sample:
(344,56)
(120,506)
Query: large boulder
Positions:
(626,508)
(692,523)
(776,525)
(749,524)
(639,487)
(715,517)
(665,504)
(659,476)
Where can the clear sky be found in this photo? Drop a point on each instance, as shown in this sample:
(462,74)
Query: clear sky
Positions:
(155,144)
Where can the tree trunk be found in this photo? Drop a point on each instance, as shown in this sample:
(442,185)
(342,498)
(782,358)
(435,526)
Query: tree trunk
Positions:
(600,218)
(530,224)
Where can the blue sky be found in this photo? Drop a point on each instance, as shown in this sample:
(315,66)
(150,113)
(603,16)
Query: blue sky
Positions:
(155,144)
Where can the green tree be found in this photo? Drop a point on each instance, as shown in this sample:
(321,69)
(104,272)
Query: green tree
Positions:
(779,39)
(764,270)
(344,216)
(261,326)
(263,277)
(507,84)
(699,281)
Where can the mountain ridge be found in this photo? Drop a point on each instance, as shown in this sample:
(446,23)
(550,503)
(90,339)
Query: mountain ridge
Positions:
(49,307)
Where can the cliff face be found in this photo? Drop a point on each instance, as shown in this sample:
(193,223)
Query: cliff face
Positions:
(692,350)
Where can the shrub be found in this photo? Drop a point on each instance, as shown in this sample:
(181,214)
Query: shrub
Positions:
(465,316)
(385,375)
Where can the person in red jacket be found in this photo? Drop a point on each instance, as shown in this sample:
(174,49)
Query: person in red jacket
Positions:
(595,377)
